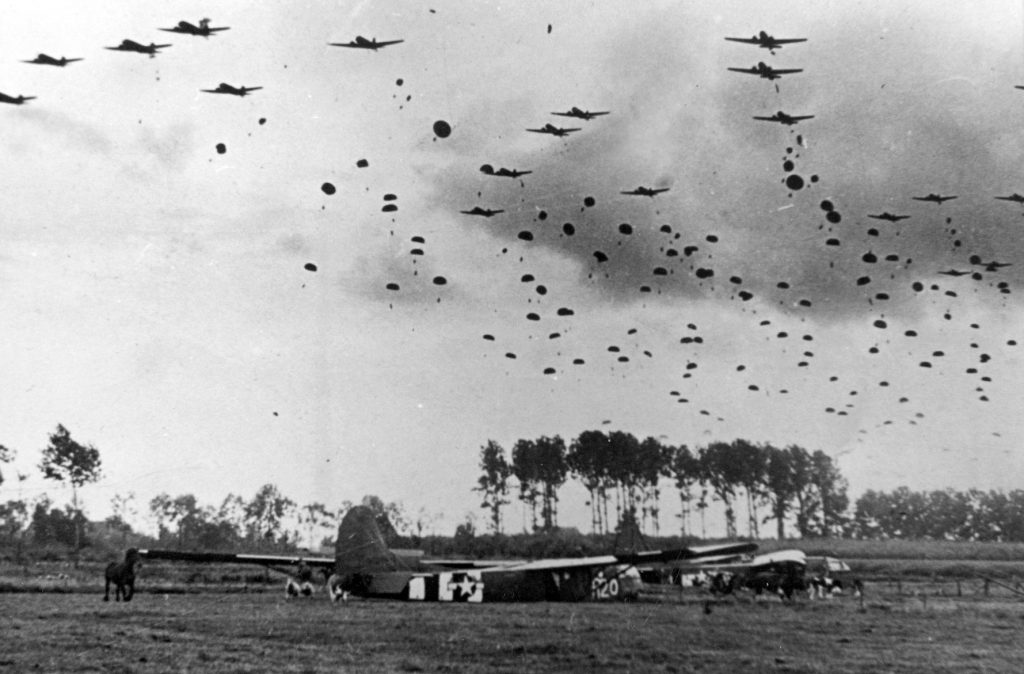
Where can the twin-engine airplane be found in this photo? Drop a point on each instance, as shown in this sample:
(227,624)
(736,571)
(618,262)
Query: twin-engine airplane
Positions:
(646,191)
(581,114)
(224,88)
(766,71)
(766,41)
(486,212)
(783,118)
(362,43)
(502,172)
(202,30)
(364,567)
(553,130)
(47,60)
(15,100)
(132,45)
(937,198)
(888,216)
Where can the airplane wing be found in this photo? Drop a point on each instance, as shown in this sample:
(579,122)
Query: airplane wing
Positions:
(786,71)
(473,563)
(388,42)
(758,561)
(744,40)
(236,558)
(830,564)
(632,559)
(769,119)
(789,40)
(749,71)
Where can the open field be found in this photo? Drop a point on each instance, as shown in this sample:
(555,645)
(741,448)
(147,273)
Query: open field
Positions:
(217,632)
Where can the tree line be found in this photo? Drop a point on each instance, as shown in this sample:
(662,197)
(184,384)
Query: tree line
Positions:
(268,520)
(625,478)
(947,515)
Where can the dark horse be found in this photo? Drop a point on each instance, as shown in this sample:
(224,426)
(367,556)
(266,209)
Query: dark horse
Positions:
(122,575)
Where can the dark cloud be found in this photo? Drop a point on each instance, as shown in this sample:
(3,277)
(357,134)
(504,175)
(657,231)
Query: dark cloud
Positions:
(687,125)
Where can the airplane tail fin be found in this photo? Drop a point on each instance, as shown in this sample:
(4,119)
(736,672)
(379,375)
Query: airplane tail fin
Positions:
(360,547)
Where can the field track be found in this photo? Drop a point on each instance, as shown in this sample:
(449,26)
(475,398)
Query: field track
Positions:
(216,632)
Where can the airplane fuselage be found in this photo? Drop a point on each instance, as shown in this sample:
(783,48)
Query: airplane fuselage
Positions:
(612,583)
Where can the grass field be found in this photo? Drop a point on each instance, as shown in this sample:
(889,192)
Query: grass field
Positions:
(666,632)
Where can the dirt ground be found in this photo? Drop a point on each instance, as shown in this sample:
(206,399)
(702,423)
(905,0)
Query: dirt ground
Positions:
(216,632)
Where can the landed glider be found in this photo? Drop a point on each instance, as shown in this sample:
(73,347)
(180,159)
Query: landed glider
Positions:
(364,567)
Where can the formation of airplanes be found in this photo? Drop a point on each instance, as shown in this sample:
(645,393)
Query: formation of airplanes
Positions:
(362,43)
(202,30)
(132,45)
(364,567)
(553,130)
(783,118)
(224,88)
(47,60)
(645,191)
(766,41)
(580,114)
(766,71)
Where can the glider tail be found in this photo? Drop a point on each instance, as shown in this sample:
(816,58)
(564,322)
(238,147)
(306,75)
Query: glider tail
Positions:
(360,548)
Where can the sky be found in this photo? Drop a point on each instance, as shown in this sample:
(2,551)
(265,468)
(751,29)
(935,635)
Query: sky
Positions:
(159,243)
